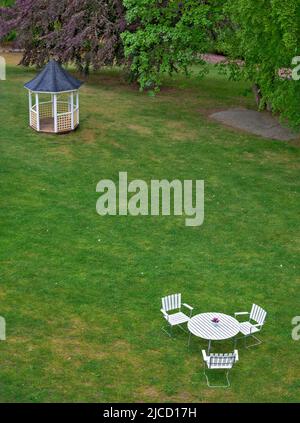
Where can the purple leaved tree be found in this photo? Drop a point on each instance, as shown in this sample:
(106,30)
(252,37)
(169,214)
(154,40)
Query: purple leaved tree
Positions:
(86,32)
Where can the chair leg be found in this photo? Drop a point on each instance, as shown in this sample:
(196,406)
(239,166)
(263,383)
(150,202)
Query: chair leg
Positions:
(168,332)
(228,381)
(217,386)
(189,343)
(258,341)
(234,343)
(182,328)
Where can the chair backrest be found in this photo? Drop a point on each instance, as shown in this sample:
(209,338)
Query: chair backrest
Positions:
(222,360)
(258,314)
(171,302)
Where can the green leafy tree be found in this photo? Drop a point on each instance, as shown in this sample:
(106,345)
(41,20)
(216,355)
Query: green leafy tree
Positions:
(168,36)
(6,3)
(266,35)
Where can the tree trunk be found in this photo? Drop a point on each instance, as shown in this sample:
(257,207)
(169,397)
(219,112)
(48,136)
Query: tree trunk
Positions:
(257,93)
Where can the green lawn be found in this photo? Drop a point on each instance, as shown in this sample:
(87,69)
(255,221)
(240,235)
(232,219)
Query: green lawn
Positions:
(81,294)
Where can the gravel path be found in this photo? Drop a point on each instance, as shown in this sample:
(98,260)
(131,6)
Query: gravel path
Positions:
(257,123)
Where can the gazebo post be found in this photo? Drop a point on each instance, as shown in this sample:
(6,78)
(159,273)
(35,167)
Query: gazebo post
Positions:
(30,107)
(37,107)
(55,113)
(52,104)
(77,107)
(72,110)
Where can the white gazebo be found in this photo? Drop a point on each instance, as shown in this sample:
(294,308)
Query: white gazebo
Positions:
(54,100)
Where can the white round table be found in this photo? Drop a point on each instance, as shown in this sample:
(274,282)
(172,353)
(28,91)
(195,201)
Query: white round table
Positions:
(203,327)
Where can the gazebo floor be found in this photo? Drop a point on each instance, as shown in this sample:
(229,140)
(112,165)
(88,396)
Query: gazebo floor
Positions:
(47,126)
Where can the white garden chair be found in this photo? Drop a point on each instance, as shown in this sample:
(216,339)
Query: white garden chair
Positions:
(172,303)
(257,318)
(219,362)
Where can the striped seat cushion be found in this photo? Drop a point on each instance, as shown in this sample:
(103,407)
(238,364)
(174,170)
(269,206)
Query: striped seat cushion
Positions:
(177,318)
(247,329)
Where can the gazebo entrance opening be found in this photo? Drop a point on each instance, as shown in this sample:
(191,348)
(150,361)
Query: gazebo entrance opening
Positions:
(54,113)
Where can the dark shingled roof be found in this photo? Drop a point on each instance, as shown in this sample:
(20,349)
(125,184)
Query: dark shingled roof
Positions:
(53,79)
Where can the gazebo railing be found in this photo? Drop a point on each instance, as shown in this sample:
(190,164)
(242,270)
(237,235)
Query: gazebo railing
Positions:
(66,119)
(69,119)
(34,118)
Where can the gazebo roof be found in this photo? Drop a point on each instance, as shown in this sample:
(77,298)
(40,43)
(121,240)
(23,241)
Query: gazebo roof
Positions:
(53,79)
